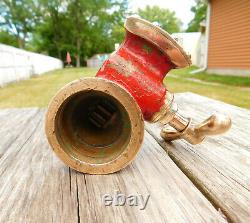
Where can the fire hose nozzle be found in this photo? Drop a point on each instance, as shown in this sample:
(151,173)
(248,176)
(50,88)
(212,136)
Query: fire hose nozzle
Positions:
(96,125)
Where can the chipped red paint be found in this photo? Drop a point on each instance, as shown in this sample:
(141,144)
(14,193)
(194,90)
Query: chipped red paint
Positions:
(140,67)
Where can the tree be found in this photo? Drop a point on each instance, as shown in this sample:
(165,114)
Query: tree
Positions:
(52,34)
(19,18)
(82,27)
(93,23)
(164,17)
(53,27)
(7,38)
(199,11)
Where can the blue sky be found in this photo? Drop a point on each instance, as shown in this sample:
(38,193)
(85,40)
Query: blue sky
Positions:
(180,7)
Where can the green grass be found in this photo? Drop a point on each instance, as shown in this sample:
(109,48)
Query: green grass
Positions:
(221,79)
(233,95)
(37,91)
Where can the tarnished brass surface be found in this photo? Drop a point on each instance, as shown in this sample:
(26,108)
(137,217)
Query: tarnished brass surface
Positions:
(214,125)
(160,38)
(94,126)
(180,127)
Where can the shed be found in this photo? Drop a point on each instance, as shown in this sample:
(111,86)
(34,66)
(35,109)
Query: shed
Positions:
(97,60)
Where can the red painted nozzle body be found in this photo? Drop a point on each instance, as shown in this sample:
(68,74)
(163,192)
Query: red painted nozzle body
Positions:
(139,65)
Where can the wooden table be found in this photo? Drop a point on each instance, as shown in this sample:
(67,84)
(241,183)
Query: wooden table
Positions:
(205,183)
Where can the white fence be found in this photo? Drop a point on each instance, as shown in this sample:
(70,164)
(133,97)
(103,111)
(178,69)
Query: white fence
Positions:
(17,64)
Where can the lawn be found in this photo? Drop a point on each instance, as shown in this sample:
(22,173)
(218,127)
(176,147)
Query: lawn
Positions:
(222,79)
(37,91)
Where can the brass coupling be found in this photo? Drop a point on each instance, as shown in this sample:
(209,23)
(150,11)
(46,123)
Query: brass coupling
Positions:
(176,126)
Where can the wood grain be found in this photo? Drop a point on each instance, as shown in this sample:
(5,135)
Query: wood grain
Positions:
(35,186)
(12,123)
(220,166)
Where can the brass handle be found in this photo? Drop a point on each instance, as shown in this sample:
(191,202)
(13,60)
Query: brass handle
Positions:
(214,125)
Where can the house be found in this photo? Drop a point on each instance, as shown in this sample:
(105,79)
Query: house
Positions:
(228,37)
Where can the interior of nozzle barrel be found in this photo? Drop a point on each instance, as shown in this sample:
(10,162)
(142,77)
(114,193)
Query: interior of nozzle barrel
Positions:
(93,127)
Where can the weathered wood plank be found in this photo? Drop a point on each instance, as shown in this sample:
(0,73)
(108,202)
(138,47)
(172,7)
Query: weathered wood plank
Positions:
(36,187)
(220,166)
(173,198)
(13,122)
